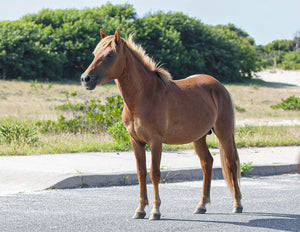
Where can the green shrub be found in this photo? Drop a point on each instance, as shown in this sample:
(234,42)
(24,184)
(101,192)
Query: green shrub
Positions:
(47,126)
(91,116)
(239,109)
(274,54)
(25,52)
(246,168)
(58,44)
(119,133)
(291,103)
(111,111)
(245,131)
(291,60)
(187,46)
(18,134)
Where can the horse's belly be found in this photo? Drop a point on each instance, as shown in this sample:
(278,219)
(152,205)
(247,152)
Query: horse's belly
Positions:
(186,134)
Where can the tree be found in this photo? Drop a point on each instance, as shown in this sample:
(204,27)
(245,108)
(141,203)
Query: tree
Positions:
(297,41)
(24,52)
(58,44)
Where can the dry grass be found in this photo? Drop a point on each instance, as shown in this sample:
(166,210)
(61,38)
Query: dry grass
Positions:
(25,100)
(30,100)
(257,98)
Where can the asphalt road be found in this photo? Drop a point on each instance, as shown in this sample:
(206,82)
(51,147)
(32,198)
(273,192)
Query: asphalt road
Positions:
(270,204)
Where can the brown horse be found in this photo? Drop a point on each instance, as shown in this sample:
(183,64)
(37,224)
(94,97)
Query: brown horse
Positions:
(158,110)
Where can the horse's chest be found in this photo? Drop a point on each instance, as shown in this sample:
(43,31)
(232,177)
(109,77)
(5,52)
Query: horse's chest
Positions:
(137,129)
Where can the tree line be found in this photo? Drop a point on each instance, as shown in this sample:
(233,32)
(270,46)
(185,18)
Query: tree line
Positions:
(53,45)
(281,54)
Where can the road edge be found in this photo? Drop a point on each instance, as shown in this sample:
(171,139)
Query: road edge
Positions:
(167,176)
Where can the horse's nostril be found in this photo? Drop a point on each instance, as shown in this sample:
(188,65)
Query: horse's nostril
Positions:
(85,78)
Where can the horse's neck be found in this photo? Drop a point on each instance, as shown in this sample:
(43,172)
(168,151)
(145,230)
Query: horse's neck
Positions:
(135,83)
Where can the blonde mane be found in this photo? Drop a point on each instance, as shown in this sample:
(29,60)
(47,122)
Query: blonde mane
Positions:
(139,53)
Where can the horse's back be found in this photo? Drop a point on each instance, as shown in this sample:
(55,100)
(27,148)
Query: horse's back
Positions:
(198,81)
(193,107)
(200,87)
(215,96)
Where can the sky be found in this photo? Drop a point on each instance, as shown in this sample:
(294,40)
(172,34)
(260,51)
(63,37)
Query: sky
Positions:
(263,20)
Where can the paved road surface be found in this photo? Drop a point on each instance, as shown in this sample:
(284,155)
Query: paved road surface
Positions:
(270,204)
(94,169)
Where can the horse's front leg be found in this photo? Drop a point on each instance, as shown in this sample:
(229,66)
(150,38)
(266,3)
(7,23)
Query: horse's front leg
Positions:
(155,175)
(139,152)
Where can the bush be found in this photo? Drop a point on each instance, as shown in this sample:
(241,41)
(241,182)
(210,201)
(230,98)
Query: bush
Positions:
(58,44)
(279,53)
(119,133)
(90,117)
(18,134)
(246,168)
(186,46)
(25,52)
(291,103)
(291,60)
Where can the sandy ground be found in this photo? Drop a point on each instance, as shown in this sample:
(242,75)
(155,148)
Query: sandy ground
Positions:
(289,77)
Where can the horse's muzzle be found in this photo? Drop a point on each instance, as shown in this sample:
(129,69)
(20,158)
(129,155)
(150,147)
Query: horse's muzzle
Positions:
(88,81)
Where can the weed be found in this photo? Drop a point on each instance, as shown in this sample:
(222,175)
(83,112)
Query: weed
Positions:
(291,103)
(33,84)
(246,168)
(123,182)
(255,86)
(239,109)
(18,134)
(165,179)
(78,171)
(245,130)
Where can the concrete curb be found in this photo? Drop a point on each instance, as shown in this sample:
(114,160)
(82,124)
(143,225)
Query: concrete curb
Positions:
(87,181)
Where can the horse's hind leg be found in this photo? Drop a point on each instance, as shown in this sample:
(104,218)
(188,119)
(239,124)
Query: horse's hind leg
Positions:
(206,160)
(230,166)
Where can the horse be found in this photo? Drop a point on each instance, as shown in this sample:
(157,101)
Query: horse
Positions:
(159,110)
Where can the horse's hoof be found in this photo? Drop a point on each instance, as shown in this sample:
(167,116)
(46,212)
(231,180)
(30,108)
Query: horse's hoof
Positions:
(237,209)
(139,215)
(199,211)
(154,216)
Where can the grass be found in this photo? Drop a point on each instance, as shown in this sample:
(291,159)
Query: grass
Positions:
(27,102)
(255,102)
(246,168)
(68,143)
(32,100)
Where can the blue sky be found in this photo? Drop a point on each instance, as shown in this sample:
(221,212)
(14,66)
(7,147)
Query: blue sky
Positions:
(264,20)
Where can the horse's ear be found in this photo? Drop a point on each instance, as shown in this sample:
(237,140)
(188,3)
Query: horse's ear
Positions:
(117,36)
(102,34)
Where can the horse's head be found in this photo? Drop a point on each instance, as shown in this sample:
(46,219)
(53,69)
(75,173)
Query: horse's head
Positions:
(108,62)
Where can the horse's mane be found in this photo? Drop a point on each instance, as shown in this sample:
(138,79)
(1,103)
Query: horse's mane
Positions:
(148,62)
(139,53)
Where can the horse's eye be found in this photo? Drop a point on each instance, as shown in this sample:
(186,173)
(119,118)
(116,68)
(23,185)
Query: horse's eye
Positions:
(111,54)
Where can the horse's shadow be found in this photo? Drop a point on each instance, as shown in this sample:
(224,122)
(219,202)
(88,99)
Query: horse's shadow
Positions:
(275,221)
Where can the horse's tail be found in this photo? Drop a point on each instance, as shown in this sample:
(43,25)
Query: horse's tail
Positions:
(228,153)
(226,168)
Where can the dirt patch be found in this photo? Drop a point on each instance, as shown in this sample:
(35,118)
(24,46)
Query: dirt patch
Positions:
(289,77)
